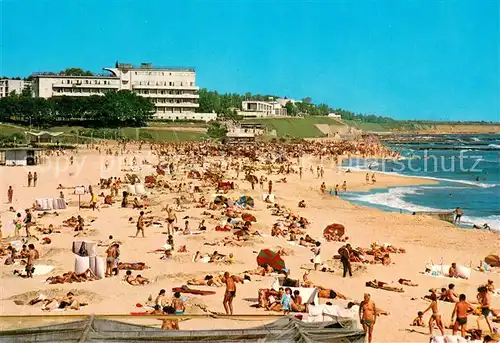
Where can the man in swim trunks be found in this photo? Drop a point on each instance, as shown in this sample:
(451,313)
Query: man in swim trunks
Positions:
(178,304)
(172,217)
(461,308)
(229,294)
(140,224)
(484,299)
(368,315)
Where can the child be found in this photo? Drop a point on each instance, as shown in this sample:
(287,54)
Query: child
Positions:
(186,228)
(286,300)
(419,321)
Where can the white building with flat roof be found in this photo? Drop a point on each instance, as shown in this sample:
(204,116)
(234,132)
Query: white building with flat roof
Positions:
(172,90)
(259,109)
(7,86)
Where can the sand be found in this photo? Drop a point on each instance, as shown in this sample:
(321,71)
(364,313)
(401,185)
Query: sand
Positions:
(425,239)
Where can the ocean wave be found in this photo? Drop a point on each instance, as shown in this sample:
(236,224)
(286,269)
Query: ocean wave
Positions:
(394,198)
(492,221)
(475,139)
(465,182)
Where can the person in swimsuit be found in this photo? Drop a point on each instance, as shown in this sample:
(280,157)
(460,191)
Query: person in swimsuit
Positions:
(484,299)
(286,300)
(172,217)
(368,315)
(229,294)
(461,308)
(140,224)
(436,317)
(178,304)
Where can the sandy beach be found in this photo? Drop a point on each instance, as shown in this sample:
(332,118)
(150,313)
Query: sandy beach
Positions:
(424,239)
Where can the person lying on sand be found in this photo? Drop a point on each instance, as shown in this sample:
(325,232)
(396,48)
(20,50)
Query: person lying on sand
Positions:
(207,280)
(132,266)
(262,271)
(450,295)
(71,277)
(407,282)
(135,281)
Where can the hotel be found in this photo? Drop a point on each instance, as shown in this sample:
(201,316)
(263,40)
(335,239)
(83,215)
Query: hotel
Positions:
(172,90)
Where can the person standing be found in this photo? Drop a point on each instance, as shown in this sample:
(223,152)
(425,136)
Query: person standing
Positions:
(270,187)
(461,308)
(229,294)
(172,217)
(458,215)
(344,253)
(28,222)
(435,317)
(316,257)
(323,188)
(32,256)
(368,315)
(140,224)
(35,178)
(30,177)
(300,172)
(485,301)
(10,194)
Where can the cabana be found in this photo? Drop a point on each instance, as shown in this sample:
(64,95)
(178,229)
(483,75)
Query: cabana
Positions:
(21,156)
(42,136)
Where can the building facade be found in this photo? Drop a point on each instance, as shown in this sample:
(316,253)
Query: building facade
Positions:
(7,86)
(259,109)
(172,90)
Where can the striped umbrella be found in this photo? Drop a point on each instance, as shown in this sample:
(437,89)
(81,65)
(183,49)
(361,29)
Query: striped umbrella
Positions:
(271,258)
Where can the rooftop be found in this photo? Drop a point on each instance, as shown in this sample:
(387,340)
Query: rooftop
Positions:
(150,66)
(54,75)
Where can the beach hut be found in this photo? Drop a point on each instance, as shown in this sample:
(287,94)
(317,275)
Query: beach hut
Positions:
(20,156)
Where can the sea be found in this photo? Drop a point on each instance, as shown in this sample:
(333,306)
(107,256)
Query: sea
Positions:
(466,167)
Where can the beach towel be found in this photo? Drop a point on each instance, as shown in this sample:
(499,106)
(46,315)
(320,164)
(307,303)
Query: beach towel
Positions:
(59,204)
(42,269)
(450,339)
(327,313)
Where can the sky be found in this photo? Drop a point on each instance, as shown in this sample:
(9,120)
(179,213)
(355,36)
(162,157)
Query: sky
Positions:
(408,59)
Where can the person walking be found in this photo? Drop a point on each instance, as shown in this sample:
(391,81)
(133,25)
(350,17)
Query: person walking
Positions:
(10,194)
(35,178)
(30,178)
(140,225)
(28,221)
(344,252)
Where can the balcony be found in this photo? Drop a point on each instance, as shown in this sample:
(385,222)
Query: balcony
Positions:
(170,96)
(85,85)
(182,104)
(136,86)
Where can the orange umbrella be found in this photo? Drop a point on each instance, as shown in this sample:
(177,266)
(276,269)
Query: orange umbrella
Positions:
(493,260)
(334,230)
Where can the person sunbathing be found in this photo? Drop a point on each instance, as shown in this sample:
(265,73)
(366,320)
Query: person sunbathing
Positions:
(328,293)
(262,271)
(296,304)
(450,295)
(407,282)
(139,280)
(386,260)
(304,243)
(302,204)
(132,266)
(216,257)
(207,280)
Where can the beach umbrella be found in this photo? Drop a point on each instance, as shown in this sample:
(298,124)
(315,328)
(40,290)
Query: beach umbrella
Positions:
(247,201)
(220,199)
(271,258)
(493,260)
(248,217)
(334,230)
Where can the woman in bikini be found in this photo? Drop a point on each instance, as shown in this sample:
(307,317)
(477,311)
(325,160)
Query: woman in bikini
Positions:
(435,317)
(172,217)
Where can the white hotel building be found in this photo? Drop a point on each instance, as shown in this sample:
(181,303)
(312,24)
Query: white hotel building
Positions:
(172,90)
(7,86)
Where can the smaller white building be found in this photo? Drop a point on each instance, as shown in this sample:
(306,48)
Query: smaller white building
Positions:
(259,109)
(206,117)
(7,86)
(334,115)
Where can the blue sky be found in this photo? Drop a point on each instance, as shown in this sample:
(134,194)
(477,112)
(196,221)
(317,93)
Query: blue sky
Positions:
(415,59)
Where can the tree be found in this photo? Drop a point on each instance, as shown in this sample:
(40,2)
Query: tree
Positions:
(75,72)
(27,91)
(307,100)
(216,130)
(291,109)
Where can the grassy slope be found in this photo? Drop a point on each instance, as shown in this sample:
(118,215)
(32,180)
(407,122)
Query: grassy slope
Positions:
(129,132)
(296,127)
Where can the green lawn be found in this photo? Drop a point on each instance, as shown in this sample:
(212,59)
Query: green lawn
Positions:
(296,127)
(161,135)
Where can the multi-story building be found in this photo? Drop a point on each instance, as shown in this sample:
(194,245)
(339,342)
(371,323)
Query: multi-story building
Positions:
(7,86)
(172,90)
(259,109)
